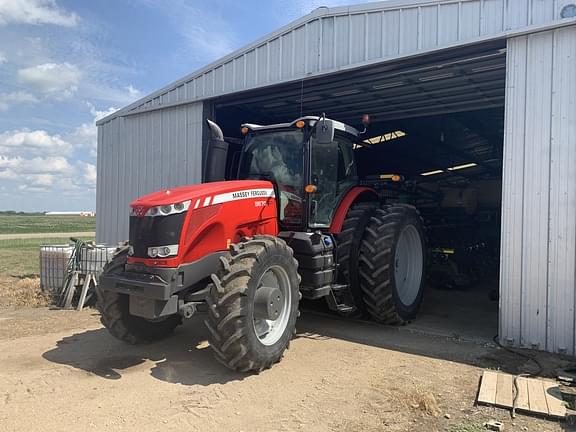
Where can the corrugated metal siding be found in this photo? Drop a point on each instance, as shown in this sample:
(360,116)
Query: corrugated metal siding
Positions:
(328,40)
(538,261)
(140,154)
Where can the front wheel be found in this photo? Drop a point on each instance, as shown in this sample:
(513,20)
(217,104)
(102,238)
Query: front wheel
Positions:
(253,304)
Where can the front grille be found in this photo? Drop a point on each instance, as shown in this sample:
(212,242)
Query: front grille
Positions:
(151,231)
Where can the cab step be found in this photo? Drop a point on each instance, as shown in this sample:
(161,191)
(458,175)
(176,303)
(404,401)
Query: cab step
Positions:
(333,302)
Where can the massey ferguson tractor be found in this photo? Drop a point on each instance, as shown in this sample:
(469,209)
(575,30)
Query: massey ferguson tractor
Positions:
(292,223)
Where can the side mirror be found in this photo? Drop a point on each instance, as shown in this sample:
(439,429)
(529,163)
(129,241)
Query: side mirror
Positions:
(324,131)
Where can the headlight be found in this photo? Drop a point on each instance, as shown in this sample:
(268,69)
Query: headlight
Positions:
(163,251)
(164,210)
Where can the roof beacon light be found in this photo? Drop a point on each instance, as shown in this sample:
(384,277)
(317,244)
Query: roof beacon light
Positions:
(464,166)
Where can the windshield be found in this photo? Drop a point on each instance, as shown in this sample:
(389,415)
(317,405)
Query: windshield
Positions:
(277,156)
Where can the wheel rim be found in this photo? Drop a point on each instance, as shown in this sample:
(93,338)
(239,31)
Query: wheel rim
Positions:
(408,264)
(268,331)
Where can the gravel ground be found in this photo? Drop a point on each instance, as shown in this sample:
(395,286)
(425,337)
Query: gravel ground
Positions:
(60,370)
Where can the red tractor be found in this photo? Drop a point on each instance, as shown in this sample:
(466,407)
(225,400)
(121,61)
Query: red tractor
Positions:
(294,224)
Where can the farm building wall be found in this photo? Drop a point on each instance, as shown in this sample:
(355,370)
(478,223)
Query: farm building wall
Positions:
(538,257)
(140,154)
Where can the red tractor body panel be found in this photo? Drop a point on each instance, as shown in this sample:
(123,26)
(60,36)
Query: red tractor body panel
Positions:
(219,213)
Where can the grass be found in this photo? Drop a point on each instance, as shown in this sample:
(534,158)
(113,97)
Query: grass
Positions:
(32,223)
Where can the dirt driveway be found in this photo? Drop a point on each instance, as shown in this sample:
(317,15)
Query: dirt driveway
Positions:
(62,371)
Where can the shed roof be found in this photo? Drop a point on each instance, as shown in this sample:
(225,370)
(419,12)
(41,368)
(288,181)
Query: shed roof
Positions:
(347,37)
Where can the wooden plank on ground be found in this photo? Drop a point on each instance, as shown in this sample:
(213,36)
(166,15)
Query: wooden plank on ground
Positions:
(504,391)
(537,397)
(534,395)
(487,393)
(556,407)
(71,288)
(85,287)
(522,401)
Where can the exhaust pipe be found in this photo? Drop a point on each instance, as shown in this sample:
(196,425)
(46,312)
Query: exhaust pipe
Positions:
(215,131)
(216,154)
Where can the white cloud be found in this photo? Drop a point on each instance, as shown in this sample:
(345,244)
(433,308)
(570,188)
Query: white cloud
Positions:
(39,142)
(57,80)
(55,176)
(41,180)
(89,174)
(206,44)
(19,166)
(18,97)
(35,12)
(96,89)
(133,92)
(85,136)
(100,114)
(3,58)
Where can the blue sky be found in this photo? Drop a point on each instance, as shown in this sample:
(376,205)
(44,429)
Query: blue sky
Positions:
(66,63)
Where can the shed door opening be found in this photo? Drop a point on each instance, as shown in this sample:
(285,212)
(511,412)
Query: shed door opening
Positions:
(438,123)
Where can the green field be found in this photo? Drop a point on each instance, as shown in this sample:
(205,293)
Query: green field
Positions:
(21,257)
(27,224)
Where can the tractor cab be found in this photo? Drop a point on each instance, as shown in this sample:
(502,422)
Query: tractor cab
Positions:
(311,163)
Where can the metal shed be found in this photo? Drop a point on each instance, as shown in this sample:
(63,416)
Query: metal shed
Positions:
(404,60)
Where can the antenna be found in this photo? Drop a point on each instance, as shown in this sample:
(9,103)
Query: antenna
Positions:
(301,96)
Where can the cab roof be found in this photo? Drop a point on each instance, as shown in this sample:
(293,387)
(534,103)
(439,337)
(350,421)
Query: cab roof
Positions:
(310,120)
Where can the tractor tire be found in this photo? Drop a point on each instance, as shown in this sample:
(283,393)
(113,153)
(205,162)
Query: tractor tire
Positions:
(392,263)
(242,334)
(115,314)
(347,251)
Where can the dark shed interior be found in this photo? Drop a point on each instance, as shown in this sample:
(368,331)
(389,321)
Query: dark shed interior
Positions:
(436,141)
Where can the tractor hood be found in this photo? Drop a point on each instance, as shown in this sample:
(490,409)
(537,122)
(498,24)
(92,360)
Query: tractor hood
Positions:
(206,194)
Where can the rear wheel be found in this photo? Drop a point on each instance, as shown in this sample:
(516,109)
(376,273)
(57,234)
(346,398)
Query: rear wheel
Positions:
(392,263)
(115,314)
(253,304)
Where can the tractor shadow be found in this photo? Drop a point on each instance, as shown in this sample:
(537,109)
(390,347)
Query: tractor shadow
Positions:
(184,358)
